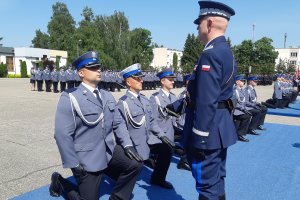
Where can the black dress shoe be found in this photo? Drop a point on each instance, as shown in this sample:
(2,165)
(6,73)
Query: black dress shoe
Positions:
(260,127)
(54,188)
(183,165)
(150,163)
(241,138)
(163,184)
(252,132)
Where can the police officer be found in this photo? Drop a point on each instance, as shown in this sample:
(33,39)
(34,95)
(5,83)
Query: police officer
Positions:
(55,79)
(134,122)
(62,79)
(159,100)
(77,78)
(209,129)
(241,116)
(279,102)
(251,101)
(240,94)
(32,79)
(39,79)
(70,78)
(47,78)
(85,139)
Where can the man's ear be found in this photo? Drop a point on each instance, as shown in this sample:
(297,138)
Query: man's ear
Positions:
(80,73)
(127,82)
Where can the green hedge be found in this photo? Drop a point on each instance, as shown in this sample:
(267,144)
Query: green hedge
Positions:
(14,76)
(23,70)
(3,70)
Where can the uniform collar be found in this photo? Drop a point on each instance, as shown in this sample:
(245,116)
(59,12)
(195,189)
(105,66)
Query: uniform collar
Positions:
(90,88)
(211,43)
(133,93)
(165,92)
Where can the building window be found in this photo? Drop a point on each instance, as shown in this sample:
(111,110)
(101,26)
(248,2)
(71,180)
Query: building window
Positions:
(293,62)
(294,54)
(10,63)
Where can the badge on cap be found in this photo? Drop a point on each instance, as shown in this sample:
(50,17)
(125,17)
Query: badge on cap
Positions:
(205,68)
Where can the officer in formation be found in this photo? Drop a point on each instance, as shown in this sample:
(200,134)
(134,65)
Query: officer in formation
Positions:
(264,79)
(32,78)
(161,151)
(55,79)
(241,115)
(134,124)
(62,79)
(77,78)
(209,129)
(111,80)
(47,78)
(86,142)
(39,79)
(183,162)
(251,100)
(245,107)
(284,93)
(70,77)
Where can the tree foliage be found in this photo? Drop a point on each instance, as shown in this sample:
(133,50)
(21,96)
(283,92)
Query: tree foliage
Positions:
(23,69)
(41,40)
(191,52)
(260,56)
(61,29)
(110,36)
(175,62)
(3,70)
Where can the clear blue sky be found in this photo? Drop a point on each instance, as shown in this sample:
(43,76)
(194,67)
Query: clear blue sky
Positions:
(169,21)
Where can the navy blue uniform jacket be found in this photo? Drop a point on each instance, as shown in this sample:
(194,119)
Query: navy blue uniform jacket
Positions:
(208,127)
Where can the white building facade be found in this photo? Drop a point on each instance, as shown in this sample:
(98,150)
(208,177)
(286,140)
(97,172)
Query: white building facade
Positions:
(163,57)
(290,56)
(12,57)
(32,56)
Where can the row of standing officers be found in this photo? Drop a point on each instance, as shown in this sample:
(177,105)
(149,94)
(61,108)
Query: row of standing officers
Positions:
(63,79)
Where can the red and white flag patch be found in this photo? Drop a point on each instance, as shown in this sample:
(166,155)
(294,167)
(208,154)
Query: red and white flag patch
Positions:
(205,68)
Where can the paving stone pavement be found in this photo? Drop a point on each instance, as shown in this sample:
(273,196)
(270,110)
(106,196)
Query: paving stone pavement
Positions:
(28,153)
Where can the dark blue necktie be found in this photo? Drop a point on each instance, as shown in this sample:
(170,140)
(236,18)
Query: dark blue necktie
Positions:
(98,96)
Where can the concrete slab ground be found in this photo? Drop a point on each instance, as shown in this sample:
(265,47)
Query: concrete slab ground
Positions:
(28,153)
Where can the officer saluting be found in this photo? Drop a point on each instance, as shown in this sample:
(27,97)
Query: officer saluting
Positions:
(85,139)
(211,129)
(134,121)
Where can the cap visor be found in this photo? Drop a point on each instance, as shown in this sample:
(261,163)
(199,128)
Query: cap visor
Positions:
(197,21)
(138,74)
(170,76)
(92,65)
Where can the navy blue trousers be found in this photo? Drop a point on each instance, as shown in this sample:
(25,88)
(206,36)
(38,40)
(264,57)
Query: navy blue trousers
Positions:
(209,172)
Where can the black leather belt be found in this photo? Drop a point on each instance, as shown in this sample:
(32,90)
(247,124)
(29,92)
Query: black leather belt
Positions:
(223,105)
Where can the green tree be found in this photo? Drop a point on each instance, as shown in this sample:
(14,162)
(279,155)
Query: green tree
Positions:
(141,49)
(61,29)
(260,56)
(1,38)
(23,69)
(191,52)
(86,36)
(3,70)
(244,55)
(281,66)
(41,40)
(114,30)
(175,62)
